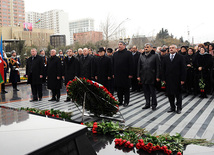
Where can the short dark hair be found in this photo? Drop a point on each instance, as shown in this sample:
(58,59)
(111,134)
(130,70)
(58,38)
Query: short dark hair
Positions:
(122,43)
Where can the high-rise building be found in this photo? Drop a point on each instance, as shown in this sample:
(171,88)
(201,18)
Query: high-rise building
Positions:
(12,12)
(53,19)
(79,26)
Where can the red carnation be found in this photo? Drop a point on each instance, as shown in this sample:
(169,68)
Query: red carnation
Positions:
(82,123)
(94,131)
(179,153)
(150,144)
(164,147)
(57,115)
(157,147)
(53,115)
(95,126)
(131,146)
(169,152)
(138,146)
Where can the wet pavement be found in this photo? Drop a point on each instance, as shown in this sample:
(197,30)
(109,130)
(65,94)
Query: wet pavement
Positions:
(24,93)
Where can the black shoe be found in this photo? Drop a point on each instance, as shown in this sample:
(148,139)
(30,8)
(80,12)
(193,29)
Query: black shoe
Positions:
(33,100)
(40,99)
(4,92)
(146,107)
(171,110)
(178,111)
(52,99)
(67,99)
(153,108)
(15,89)
(125,104)
(57,100)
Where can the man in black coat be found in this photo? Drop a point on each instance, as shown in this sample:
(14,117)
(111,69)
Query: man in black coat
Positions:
(136,55)
(148,74)
(70,68)
(111,81)
(123,69)
(103,71)
(54,73)
(86,65)
(34,72)
(174,75)
(45,62)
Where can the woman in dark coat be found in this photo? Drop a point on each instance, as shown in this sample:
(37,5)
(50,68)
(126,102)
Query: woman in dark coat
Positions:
(203,65)
(54,74)
(14,65)
(189,58)
(70,68)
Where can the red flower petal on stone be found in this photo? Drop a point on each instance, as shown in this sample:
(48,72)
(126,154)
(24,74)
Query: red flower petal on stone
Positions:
(179,153)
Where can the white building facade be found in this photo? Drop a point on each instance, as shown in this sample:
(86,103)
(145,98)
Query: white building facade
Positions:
(53,19)
(81,25)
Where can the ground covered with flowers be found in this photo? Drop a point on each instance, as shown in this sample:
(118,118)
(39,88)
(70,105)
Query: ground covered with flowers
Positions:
(130,138)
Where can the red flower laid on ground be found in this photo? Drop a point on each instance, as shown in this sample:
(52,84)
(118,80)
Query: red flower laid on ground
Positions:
(150,144)
(179,153)
(138,146)
(131,145)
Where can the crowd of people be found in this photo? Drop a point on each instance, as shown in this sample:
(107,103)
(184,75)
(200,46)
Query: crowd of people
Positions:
(171,69)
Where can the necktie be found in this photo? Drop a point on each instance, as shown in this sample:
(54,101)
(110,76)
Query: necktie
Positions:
(172,57)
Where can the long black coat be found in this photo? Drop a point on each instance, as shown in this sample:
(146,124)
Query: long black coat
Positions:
(86,66)
(103,70)
(34,68)
(123,66)
(14,74)
(136,59)
(70,69)
(173,73)
(189,59)
(54,69)
(149,68)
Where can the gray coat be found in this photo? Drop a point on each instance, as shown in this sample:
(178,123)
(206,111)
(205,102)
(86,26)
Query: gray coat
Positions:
(149,68)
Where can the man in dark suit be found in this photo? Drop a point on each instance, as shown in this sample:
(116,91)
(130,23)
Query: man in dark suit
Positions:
(45,62)
(54,73)
(70,68)
(86,65)
(134,81)
(148,74)
(111,81)
(123,68)
(174,75)
(34,72)
(103,68)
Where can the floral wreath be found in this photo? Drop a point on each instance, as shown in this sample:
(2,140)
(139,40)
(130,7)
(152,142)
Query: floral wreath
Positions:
(98,100)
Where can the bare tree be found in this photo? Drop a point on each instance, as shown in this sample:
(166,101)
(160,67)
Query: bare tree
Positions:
(112,30)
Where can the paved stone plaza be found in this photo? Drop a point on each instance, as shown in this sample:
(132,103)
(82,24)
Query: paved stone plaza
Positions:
(195,121)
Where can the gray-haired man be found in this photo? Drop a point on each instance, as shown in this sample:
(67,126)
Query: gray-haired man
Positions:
(148,73)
